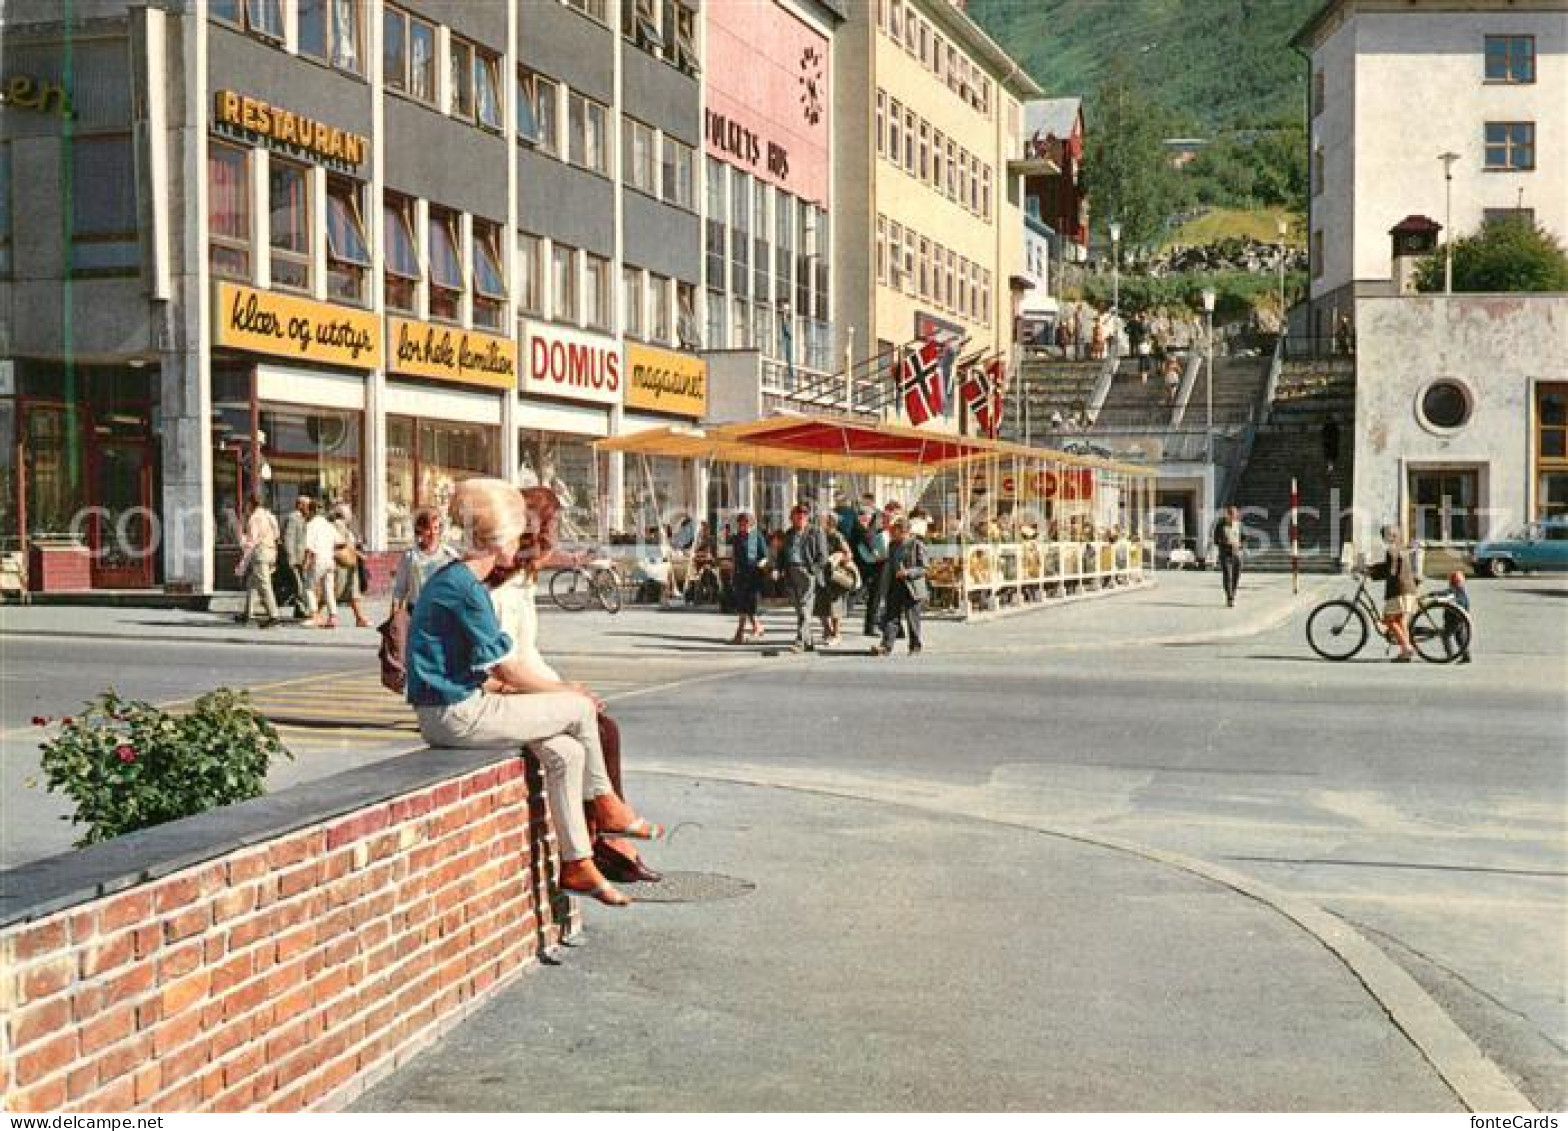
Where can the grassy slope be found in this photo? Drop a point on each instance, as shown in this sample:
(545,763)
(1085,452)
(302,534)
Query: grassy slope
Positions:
(1224,223)
(1221,62)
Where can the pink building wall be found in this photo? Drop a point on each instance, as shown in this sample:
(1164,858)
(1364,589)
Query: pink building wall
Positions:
(760,60)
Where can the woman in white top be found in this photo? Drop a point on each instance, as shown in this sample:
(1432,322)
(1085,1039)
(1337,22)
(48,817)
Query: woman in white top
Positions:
(421,561)
(513,591)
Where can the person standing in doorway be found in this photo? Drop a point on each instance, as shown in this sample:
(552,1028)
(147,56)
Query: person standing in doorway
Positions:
(802,558)
(261,545)
(294,555)
(1227,541)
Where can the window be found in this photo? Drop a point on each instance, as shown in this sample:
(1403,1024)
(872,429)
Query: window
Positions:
(1551,449)
(1510,145)
(895,243)
(348,251)
(537,119)
(909,260)
(923,39)
(952,169)
(228,211)
(641,148)
(403,272)
(530,275)
(985,295)
(426,459)
(631,301)
(923,277)
(686,334)
(103,206)
(487,89)
(881,249)
(1317,171)
(563,283)
(881,123)
(489,276)
(1443,505)
(1510,58)
(740,232)
(333,31)
(761,229)
(783,245)
(1524,216)
(640,24)
(683,40)
(909,141)
(950,285)
(939,52)
(1317,93)
(394,48)
(937,175)
(1445,405)
(1317,254)
(938,271)
(259,17)
(288,196)
(446,265)
(598,299)
(985,191)
(925,151)
(594,9)
(895,19)
(716,227)
(679,175)
(586,126)
(895,131)
(422,61)
(460,97)
(659,309)
(717,323)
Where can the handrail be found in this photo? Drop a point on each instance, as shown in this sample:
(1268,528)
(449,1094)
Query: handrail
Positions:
(1189,380)
(1102,387)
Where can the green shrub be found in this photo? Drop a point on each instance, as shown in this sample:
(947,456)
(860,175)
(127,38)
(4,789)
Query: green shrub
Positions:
(129,766)
(1237,293)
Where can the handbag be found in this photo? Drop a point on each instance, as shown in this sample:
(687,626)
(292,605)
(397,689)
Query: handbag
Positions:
(343,555)
(844,577)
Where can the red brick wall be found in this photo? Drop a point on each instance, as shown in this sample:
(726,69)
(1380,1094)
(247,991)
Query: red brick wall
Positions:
(288,975)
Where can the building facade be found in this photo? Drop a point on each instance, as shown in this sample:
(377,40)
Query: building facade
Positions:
(929,218)
(1378,68)
(1053,188)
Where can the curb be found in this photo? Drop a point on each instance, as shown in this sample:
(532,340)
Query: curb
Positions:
(1476,1081)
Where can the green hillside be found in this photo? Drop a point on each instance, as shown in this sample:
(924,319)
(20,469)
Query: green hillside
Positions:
(1216,63)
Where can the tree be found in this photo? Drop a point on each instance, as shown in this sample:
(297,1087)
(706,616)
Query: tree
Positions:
(1507,254)
(1125,171)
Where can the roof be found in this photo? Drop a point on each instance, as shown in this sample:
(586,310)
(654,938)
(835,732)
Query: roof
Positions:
(1056,117)
(1416,224)
(953,19)
(839,444)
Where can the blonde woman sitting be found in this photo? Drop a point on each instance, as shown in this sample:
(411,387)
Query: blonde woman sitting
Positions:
(469,689)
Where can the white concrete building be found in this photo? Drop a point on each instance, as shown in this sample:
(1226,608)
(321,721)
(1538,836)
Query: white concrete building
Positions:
(1396,83)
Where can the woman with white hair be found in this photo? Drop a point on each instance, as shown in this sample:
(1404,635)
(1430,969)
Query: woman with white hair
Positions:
(470,690)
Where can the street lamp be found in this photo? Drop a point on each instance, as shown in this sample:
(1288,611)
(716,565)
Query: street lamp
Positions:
(1208,384)
(1116,266)
(1284,314)
(1448,160)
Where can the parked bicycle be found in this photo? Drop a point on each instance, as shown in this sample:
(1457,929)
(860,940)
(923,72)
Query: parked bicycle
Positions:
(1440,630)
(575,586)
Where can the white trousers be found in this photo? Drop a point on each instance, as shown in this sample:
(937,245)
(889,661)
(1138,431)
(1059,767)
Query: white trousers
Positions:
(562,730)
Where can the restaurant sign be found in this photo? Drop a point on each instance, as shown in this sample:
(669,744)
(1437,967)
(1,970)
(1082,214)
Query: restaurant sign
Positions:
(1070,484)
(558,362)
(285,326)
(666,381)
(451,353)
(244,116)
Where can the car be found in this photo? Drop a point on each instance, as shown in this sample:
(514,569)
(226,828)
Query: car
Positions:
(1536,547)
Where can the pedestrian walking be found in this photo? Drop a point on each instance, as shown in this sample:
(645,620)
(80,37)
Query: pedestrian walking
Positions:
(294,555)
(261,554)
(748,556)
(348,554)
(1172,379)
(1459,597)
(1083,332)
(320,571)
(1227,540)
(468,690)
(420,561)
(801,561)
(1097,339)
(1399,591)
(904,590)
(1064,337)
(839,581)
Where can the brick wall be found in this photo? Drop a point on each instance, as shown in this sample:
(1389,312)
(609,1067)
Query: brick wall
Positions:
(289,974)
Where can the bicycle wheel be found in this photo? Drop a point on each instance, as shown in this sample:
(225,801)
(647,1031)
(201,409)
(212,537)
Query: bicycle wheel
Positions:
(569,590)
(1337,630)
(1440,632)
(607,590)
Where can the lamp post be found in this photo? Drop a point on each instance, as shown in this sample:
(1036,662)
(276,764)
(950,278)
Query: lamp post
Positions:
(1116,266)
(1448,160)
(1284,315)
(1208,384)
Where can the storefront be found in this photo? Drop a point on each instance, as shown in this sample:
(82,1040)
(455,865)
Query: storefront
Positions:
(570,386)
(663,387)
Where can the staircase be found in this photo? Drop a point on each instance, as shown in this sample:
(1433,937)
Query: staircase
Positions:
(1309,434)
(1050,386)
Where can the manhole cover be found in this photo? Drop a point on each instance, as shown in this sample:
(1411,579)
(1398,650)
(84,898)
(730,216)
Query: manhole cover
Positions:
(689,887)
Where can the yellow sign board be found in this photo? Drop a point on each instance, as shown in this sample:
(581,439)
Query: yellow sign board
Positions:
(250,115)
(451,353)
(666,381)
(285,326)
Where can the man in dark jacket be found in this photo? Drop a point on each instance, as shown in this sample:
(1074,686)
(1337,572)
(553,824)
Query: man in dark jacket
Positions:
(903,588)
(1227,540)
(802,560)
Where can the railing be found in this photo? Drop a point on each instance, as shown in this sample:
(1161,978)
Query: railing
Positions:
(798,387)
(1313,348)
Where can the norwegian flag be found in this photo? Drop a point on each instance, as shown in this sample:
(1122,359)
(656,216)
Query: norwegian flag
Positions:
(984,391)
(920,382)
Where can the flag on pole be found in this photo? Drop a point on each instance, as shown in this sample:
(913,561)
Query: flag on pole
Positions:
(996,369)
(920,382)
(984,387)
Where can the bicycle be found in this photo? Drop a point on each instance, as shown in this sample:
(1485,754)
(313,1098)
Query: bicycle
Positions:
(1338,629)
(574,586)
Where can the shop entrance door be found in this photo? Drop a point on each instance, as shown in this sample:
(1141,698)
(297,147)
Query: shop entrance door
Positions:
(120,530)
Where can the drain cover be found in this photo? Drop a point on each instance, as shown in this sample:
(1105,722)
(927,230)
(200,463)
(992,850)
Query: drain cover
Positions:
(689,887)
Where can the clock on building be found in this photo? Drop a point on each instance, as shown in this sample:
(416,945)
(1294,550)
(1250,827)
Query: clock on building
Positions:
(811,84)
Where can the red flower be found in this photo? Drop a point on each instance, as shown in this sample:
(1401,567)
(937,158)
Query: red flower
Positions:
(40,721)
(126,754)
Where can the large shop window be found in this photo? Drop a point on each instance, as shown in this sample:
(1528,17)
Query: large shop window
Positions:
(403,272)
(228,211)
(588,126)
(489,276)
(259,17)
(563,283)
(1551,450)
(348,251)
(599,307)
(333,31)
(426,459)
(103,206)
(408,55)
(446,266)
(570,467)
(530,275)
(288,192)
(315,452)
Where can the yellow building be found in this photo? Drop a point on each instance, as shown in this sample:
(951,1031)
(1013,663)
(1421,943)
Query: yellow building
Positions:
(930,227)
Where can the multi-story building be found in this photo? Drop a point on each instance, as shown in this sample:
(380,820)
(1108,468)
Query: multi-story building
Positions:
(1395,85)
(1053,188)
(927,228)
(352,248)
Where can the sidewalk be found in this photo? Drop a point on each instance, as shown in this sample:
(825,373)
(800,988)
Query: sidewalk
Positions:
(889,959)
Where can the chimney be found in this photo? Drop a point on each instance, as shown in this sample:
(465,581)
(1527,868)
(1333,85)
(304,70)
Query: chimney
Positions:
(1413,238)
